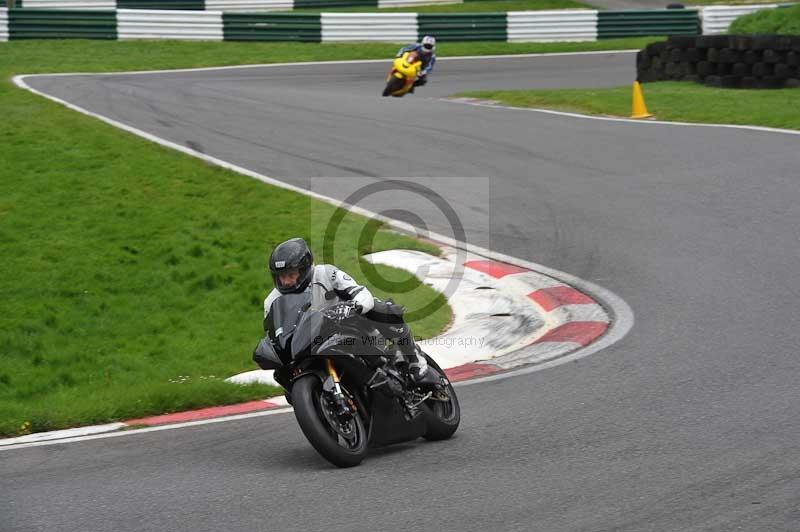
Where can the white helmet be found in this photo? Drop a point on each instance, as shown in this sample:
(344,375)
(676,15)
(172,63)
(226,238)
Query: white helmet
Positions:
(428,44)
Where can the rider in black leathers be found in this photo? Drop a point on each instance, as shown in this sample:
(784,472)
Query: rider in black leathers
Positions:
(291,265)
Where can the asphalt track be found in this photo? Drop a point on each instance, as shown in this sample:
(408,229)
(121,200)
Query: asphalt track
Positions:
(690,423)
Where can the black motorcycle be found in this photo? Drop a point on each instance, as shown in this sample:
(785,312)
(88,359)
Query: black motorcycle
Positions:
(348,383)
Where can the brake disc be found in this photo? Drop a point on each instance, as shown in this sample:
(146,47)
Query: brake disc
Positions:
(345,428)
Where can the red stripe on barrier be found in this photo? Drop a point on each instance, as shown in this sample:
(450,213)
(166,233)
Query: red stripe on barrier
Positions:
(204,413)
(493,268)
(469,371)
(579,332)
(556,296)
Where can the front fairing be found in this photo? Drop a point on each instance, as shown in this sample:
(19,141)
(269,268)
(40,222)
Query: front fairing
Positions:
(308,334)
(285,315)
(295,321)
(265,355)
(408,69)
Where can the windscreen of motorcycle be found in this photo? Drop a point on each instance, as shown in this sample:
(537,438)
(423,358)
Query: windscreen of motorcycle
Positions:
(285,314)
(308,332)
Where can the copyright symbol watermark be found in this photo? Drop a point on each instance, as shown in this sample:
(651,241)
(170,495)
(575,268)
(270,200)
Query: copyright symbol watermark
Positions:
(423,206)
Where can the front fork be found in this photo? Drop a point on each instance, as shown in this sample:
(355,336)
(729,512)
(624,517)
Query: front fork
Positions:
(344,405)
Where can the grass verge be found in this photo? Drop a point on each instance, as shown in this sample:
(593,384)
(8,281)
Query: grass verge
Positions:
(467,7)
(669,100)
(783,21)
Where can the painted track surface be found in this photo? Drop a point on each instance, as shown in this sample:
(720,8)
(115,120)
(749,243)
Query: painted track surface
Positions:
(689,423)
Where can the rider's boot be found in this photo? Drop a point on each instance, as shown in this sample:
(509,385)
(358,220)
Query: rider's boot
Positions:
(418,369)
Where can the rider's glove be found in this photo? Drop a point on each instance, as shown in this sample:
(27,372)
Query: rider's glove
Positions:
(345,310)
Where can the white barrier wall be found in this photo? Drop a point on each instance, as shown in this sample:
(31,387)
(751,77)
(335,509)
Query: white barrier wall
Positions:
(552,26)
(389,27)
(717,19)
(159,24)
(70,4)
(406,3)
(249,6)
(3,24)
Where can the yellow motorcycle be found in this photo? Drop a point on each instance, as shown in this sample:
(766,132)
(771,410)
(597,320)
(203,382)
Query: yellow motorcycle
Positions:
(404,72)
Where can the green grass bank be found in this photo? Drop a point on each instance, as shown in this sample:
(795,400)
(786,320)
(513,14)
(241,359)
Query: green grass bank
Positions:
(782,21)
(668,100)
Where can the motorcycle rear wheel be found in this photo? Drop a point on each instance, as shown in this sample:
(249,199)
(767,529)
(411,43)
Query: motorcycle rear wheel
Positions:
(309,403)
(443,417)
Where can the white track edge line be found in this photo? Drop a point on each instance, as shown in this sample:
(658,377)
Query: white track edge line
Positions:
(148,429)
(624,120)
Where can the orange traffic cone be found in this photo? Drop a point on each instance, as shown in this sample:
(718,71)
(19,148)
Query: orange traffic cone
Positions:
(639,109)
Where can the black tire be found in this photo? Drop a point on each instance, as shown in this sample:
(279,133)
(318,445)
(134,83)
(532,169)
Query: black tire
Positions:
(764,42)
(784,71)
(774,57)
(442,417)
(730,82)
(712,41)
(741,69)
(393,85)
(642,60)
(751,57)
(770,82)
(681,41)
(726,55)
(671,70)
(656,48)
(743,43)
(761,70)
(706,68)
(306,396)
(749,82)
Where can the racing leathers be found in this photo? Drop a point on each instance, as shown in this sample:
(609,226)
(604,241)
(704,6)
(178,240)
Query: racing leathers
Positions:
(428,60)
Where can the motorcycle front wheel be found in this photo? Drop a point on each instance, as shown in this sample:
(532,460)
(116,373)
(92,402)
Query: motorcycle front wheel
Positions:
(394,84)
(342,442)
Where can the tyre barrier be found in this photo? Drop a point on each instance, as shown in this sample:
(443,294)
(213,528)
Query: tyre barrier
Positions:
(728,61)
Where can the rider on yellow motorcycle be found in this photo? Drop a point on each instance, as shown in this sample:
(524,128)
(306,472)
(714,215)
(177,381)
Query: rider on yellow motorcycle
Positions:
(426,49)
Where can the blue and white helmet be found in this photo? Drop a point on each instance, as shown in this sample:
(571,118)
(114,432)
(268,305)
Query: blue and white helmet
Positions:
(428,44)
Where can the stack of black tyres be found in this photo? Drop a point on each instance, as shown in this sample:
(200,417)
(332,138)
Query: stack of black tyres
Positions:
(730,61)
